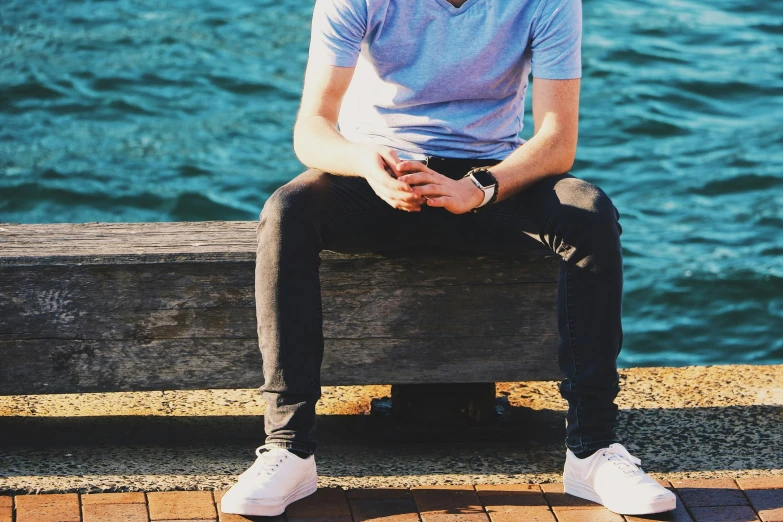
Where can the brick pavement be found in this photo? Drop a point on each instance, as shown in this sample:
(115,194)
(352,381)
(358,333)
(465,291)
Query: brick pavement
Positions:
(718,500)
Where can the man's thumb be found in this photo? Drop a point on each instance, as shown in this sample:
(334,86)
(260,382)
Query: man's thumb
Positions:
(390,156)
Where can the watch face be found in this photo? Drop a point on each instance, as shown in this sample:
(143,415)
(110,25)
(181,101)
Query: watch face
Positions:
(484,177)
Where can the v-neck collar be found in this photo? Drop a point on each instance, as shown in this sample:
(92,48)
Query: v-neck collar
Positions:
(445,4)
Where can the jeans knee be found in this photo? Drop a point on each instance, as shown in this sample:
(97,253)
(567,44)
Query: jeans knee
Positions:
(589,226)
(298,200)
(588,208)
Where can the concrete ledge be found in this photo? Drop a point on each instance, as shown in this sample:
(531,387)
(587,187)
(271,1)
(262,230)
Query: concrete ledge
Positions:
(693,422)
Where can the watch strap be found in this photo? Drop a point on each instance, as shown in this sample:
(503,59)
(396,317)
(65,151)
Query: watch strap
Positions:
(490,191)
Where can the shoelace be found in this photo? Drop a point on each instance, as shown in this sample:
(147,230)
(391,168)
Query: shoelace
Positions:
(620,457)
(268,463)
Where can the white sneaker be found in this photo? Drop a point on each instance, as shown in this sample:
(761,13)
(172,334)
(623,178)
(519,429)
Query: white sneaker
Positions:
(276,479)
(612,477)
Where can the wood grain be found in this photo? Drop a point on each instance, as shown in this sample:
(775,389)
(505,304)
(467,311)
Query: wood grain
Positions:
(142,306)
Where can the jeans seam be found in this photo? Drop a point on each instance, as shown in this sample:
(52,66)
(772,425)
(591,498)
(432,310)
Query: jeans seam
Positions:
(574,358)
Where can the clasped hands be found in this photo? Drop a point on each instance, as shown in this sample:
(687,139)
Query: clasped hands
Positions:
(409,185)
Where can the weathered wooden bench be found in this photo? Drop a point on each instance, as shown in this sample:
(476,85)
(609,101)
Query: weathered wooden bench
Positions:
(102,307)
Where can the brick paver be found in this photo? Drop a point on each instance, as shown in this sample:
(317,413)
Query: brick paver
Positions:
(114,507)
(512,503)
(765,495)
(761,483)
(378,493)
(709,493)
(724,514)
(743,500)
(768,503)
(6,508)
(558,499)
(114,513)
(568,508)
(382,505)
(384,510)
(531,494)
(181,505)
(449,504)
(326,503)
(114,498)
(62,507)
(587,515)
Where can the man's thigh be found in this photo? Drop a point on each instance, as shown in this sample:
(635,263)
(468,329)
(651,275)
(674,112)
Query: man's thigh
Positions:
(548,215)
(350,217)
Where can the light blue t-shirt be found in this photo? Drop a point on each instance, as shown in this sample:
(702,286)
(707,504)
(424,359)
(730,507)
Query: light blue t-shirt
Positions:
(433,79)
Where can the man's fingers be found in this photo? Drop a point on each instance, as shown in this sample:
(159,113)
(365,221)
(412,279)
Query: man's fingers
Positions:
(387,187)
(410,206)
(411,166)
(394,156)
(429,190)
(392,159)
(398,190)
(396,198)
(397,185)
(390,182)
(406,197)
(380,191)
(419,178)
(439,202)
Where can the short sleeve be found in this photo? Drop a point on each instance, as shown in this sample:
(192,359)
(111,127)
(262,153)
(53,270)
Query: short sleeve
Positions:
(556,42)
(337,32)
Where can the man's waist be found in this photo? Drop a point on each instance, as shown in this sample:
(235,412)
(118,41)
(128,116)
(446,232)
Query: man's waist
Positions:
(456,168)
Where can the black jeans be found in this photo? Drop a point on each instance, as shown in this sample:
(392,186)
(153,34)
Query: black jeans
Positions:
(317,211)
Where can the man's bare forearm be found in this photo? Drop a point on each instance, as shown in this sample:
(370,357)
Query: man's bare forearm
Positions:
(319,144)
(543,155)
(552,148)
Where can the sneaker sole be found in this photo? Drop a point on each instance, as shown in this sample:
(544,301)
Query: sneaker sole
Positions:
(270,509)
(582,490)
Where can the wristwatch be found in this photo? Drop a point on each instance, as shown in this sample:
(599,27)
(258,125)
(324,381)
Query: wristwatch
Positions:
(484,180)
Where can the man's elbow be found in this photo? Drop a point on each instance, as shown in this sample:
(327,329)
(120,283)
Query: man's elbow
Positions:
(560,147)
(563,159)
(566,162)
(300,143)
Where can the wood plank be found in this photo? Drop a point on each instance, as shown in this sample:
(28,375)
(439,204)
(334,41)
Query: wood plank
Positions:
(140,302)
(68,366)
(138,243)
(89,243)
(455,311)
(144,306)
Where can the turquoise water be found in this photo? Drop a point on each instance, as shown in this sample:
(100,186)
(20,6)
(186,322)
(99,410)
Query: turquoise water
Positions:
(155,111)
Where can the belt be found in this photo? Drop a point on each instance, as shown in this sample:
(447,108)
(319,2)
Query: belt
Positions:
(456,168)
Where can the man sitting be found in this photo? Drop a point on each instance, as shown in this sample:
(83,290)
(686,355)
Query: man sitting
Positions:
(429,98)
